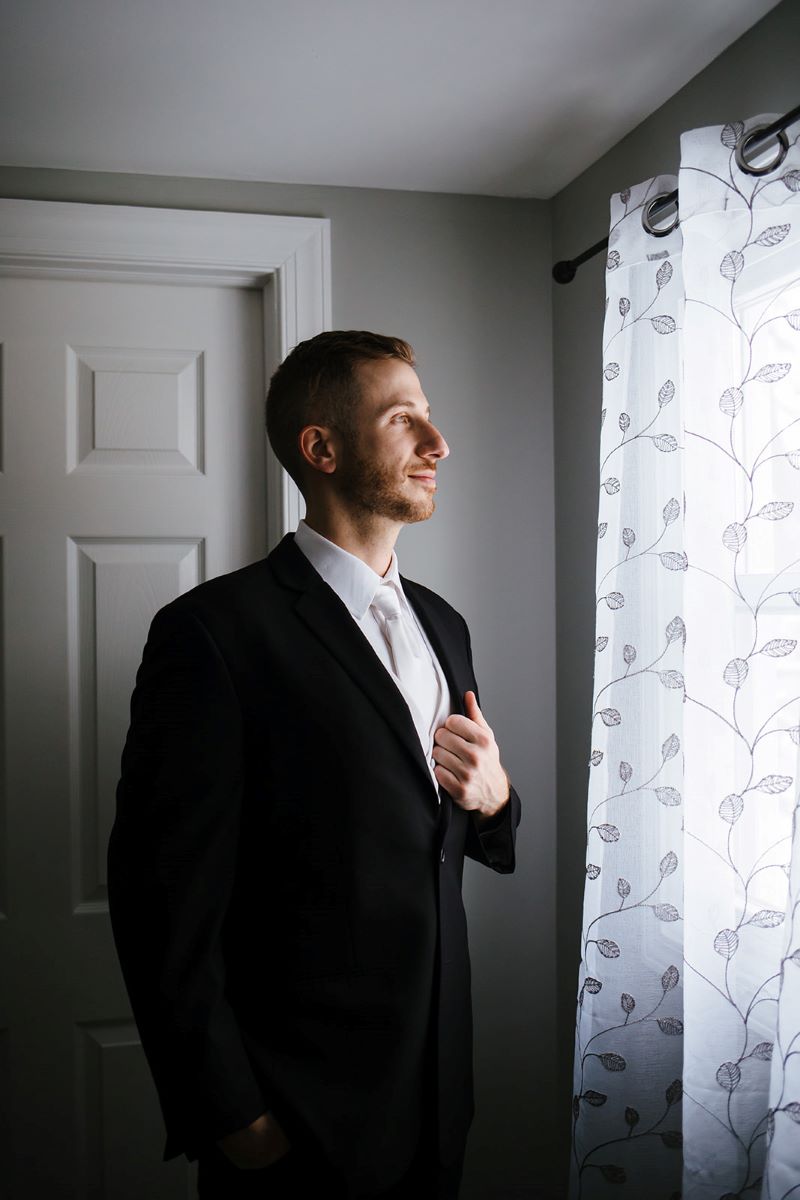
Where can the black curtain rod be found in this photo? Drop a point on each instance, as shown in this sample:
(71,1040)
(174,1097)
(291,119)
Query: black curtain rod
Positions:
(565,271)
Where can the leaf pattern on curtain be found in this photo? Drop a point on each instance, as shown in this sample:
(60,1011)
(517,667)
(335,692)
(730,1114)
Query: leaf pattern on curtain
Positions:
(741,410)
(627,1101)
(687,1062)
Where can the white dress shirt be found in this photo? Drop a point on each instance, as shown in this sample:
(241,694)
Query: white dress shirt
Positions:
(355,584)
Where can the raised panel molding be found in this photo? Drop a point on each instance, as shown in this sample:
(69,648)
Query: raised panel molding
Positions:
(120,1134)
(134,409)
(287,257)
(113,589)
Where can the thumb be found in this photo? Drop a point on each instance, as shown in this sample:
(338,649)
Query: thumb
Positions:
(472,710)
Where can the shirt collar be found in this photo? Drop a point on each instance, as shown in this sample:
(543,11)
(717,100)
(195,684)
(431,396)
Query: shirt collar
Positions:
(354,582)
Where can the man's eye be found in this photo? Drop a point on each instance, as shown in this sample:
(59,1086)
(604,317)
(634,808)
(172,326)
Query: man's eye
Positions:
(402,416)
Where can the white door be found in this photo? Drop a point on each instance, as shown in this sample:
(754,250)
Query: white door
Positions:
(132,469)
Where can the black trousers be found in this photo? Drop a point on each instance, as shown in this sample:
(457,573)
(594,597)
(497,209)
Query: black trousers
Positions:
(298,1176)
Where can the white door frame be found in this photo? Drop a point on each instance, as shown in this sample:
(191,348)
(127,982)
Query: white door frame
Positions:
(287,257)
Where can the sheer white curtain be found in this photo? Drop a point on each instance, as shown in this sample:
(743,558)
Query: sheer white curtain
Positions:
(687,1064)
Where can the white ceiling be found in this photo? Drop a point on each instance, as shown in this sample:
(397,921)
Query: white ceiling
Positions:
(501,97)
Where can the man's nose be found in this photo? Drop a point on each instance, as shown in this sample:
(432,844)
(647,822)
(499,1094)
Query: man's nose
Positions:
(434,443)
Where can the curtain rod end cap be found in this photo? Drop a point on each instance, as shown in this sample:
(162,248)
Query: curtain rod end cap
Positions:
(564,271)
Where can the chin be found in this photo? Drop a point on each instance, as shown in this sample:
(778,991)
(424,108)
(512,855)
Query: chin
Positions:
(421,514)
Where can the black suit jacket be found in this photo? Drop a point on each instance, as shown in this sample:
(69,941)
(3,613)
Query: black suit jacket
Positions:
(285,882)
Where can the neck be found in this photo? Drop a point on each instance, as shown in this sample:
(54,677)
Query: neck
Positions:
(368,537)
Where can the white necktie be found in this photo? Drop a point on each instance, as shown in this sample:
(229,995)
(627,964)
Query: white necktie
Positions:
(406,658)
(413,667)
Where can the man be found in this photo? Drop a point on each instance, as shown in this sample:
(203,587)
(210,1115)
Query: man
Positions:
(305,769)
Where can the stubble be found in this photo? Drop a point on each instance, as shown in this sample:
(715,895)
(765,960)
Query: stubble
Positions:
(373,489)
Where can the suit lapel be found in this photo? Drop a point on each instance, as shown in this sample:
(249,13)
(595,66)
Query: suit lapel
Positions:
(321,610)
(441,636)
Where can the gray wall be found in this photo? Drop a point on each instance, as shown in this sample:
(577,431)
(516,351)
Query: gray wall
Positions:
(760,73)
(466,280)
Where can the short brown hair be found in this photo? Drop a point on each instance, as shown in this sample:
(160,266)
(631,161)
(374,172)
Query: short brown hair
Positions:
(316,384)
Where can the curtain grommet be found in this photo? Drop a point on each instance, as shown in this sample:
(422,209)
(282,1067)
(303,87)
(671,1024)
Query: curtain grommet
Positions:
(744,142)
(647,215)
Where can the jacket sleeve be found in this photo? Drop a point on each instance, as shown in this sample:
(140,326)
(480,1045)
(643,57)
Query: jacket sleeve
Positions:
(492,843)
(171,869)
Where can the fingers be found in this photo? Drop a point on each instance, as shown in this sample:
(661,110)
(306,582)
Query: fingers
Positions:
(447,779)
(467,729)
(454,763)
(464,752)
(454,784)
(467,749)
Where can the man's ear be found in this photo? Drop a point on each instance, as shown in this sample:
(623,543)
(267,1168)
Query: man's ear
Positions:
(317,445)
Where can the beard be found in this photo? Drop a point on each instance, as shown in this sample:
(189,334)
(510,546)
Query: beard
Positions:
(374,489)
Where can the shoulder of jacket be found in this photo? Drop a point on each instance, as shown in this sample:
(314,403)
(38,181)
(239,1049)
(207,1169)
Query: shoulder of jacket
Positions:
(428,596)
(221,593)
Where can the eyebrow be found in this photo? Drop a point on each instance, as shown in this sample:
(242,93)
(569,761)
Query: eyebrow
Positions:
(398,403)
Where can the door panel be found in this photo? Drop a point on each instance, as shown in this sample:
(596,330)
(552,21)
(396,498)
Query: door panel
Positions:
(113,589)
(112,1132)
(133,468)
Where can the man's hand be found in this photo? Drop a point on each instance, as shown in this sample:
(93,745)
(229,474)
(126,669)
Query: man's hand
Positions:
(468,762)
(259,1145)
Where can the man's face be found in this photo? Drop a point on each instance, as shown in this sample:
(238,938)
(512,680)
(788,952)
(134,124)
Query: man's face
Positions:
(388,466)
